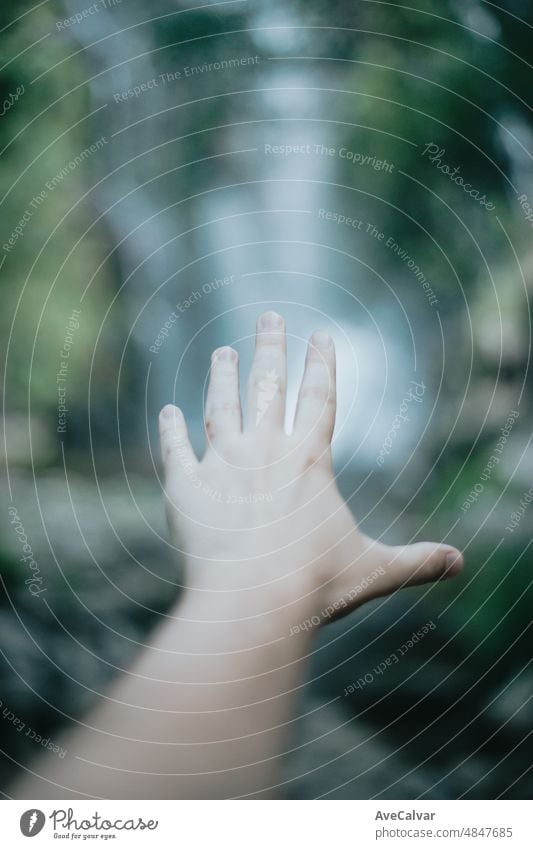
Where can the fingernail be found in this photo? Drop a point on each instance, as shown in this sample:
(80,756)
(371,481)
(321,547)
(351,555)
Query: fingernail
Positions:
(454,564)
(321,339)
(270,321)
(168,411)
(225,354)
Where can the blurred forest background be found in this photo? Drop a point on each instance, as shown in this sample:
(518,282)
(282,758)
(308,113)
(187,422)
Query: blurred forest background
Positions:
(181,192)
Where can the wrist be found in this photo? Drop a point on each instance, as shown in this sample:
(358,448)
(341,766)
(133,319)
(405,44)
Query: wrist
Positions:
(258,583)
(229,605)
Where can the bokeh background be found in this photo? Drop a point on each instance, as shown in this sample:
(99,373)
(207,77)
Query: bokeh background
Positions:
(143,159)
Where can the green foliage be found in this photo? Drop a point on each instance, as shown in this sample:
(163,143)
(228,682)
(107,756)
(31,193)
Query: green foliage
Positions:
(427,80)
(39,138)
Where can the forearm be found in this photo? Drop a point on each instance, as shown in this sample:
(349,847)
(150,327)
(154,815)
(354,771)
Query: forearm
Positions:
(202,714)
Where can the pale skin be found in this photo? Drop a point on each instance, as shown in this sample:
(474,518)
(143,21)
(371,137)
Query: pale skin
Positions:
(268,544)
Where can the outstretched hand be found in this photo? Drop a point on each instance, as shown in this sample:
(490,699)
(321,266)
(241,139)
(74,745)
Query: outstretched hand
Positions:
(261,514)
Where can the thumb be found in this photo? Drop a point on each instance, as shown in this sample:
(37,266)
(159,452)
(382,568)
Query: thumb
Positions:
(400,566)
(420,563)
(387,568)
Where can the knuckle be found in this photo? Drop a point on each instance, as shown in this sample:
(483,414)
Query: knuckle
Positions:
(233,451)
(317,455)
(221,411)
(269,340)
(224,406)
(174,446)
(312,448)
(209,427)
(318,392)
(268,360)
(224,369)
(257,381)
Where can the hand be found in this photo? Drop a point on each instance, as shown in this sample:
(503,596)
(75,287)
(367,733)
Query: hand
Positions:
(261,515)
